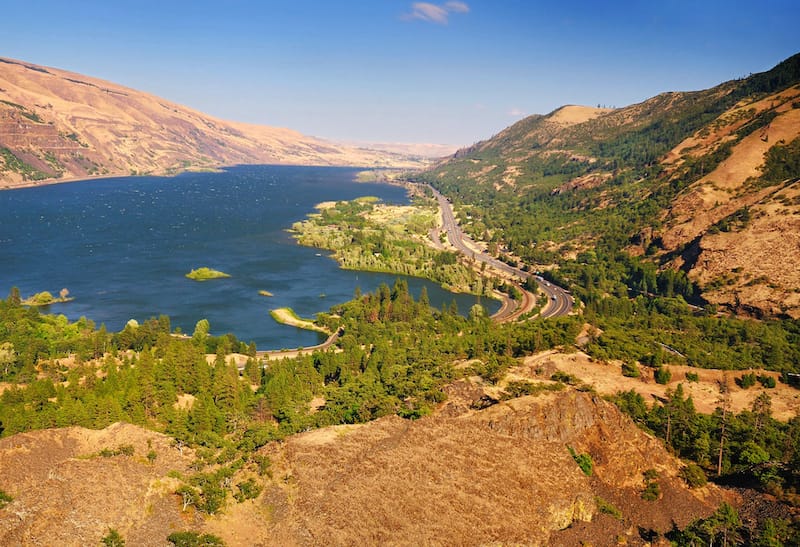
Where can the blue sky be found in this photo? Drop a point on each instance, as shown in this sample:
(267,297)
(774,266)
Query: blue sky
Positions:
(398,71)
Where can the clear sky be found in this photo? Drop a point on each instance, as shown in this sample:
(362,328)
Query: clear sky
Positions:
(399,71)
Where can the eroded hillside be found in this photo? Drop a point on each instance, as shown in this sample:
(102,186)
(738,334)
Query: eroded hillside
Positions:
(742,219)
(57,125)
(463,476)
(704,181)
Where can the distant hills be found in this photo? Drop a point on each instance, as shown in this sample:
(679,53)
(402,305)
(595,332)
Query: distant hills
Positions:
(57,125)
(705,181)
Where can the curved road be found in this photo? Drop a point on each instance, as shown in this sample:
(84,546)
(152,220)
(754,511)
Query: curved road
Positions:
(559,301)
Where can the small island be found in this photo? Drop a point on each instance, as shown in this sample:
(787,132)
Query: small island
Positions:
(45,298)
(265,293)
(204,274)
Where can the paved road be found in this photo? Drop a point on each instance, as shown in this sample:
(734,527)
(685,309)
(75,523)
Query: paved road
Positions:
(271,355)
(559,301)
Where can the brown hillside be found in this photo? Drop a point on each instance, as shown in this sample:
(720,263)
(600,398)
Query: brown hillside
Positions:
(65,493)
(502,475)
(56,124)
(750,268)
(682,179)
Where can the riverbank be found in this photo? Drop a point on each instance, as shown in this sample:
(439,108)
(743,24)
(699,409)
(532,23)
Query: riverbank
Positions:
(166,173)
(287,316)
(367,235)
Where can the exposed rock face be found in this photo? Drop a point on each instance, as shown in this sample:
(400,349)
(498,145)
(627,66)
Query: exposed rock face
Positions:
(503,475)
(413,483)
(59,125)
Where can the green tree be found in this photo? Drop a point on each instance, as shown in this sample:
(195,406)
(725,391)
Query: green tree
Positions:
(200,334)
(193,539)
(663,375)
(14,297)
(8,358)
(113,539)
(694,476)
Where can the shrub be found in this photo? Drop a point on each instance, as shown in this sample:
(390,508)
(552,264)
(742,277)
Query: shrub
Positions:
(606,507)
(630,370)
(584,461)
(248,490)
(5,499)
(124,450)
(663,375)
(113,539)
(651,491)
(746,380)
(767,381)
(564,378)
(264,465)
(694,475)
(193,539)
(692,377)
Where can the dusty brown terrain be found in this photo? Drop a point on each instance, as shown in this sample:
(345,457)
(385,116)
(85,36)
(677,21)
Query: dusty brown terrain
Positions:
(751,269)
(61,126)
(65,493)
(607,379)
(502,475)
(572,114)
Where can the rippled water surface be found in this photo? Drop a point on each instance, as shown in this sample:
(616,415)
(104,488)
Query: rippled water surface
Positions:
(122,248)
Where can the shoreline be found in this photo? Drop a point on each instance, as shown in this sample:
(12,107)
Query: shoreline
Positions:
(6,186)
(287,316)
(89,178)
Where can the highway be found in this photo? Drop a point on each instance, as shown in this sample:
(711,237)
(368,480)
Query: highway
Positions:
(559,301)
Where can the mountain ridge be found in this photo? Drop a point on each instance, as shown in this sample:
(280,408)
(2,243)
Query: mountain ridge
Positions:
(60,125)
(666,178)
(506,472)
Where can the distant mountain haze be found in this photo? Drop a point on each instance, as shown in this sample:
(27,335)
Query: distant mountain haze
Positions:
(57,125)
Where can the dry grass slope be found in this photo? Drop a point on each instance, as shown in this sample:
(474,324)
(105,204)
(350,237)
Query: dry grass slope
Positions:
(502,475)
(61,125)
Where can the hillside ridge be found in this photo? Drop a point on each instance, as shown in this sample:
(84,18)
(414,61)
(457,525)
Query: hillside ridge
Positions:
(58,125)
(506,473)
(699,181)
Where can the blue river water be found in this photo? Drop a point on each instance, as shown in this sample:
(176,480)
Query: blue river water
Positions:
(123,246)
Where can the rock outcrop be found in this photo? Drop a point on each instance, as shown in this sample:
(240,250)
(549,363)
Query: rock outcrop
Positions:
(502,475)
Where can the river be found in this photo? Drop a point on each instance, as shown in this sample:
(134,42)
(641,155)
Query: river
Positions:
(122,246)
